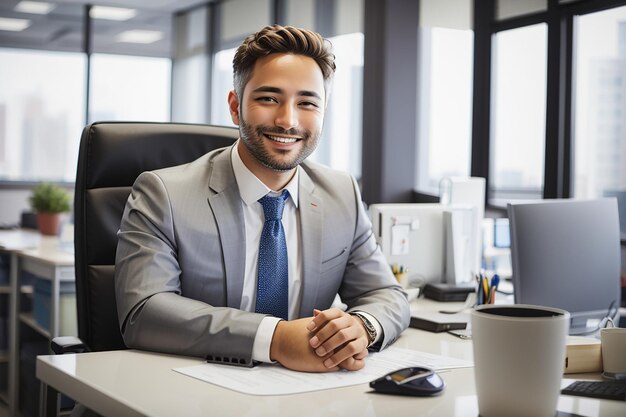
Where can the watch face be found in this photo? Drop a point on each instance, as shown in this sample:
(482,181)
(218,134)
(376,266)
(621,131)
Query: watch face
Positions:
(369,328)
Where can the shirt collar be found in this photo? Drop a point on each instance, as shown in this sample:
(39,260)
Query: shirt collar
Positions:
(251,189)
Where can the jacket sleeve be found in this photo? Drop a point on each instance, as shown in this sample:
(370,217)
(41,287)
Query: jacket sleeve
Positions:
(153,315)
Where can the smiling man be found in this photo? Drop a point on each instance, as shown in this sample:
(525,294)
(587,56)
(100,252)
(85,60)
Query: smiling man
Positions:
(239,256)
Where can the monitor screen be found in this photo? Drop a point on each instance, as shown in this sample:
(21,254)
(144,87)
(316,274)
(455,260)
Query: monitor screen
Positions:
(566,254)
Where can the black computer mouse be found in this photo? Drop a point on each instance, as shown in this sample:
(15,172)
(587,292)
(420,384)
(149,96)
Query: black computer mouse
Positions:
(417,381)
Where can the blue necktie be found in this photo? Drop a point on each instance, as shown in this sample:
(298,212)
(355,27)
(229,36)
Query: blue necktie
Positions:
(273,284)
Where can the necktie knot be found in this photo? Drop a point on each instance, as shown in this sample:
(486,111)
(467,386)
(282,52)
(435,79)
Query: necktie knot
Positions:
(273,206)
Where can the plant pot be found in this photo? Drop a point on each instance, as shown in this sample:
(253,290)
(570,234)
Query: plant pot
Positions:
(49,223)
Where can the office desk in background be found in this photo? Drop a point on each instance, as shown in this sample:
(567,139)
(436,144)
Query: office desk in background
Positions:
(135,383)
(39,255)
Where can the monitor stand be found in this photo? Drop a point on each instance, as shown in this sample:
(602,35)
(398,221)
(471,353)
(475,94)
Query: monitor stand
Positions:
(584,326)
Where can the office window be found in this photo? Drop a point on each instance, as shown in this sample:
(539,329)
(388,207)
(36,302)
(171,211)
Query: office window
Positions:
(518,114)
(340,146)
(129,88)
(444,92)
(42,113)
(190,66)
(600,107)
(445,106)
(222,84)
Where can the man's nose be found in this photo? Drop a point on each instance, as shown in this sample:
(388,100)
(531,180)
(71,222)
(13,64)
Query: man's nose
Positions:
(287,116)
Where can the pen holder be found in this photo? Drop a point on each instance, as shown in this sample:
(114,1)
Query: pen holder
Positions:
(486,289)
(402,278)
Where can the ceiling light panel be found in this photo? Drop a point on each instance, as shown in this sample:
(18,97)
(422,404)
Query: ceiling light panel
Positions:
(112,13)
(139,36)
(34,7)
(15,25)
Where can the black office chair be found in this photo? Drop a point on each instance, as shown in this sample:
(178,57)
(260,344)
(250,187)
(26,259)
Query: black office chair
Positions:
(111,156)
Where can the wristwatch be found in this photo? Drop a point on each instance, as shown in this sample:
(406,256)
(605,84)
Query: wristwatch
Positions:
(369,327)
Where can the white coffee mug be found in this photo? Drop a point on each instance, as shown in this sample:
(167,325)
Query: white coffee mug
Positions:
(519,357)
(614,352)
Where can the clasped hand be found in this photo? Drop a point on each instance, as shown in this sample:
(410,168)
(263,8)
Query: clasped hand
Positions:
(330,340)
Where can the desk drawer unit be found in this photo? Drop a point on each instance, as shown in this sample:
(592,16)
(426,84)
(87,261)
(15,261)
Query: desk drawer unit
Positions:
(67,306)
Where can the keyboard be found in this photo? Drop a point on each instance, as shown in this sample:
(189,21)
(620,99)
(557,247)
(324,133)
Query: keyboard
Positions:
(607,390)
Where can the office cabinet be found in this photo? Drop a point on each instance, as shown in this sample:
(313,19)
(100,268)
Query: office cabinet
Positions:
(31,258)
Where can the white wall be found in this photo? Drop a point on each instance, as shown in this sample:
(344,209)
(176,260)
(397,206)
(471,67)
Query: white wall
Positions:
(12,203)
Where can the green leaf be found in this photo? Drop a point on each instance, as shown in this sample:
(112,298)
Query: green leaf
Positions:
(50,198)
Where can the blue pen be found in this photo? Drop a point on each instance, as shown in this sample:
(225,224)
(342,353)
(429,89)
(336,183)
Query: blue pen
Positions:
(495,281)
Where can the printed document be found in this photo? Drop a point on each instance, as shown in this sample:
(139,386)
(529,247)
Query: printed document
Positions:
(268,379)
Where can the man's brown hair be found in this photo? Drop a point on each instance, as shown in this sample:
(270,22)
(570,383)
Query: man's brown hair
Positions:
(281,39)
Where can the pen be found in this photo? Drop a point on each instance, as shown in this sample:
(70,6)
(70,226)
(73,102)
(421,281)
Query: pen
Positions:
(495,281)
(479,290)
(486,290)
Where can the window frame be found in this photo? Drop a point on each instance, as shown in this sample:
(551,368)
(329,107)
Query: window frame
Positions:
(558,160)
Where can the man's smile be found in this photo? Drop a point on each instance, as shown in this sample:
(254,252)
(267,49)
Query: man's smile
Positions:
(282,139)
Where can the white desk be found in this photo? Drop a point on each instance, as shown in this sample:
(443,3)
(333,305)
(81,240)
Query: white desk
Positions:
(134,383)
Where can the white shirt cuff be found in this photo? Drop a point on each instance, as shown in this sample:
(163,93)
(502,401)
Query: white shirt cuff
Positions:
(375,323)
(263,339)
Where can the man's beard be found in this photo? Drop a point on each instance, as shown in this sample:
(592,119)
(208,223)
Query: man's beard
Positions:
(253,138)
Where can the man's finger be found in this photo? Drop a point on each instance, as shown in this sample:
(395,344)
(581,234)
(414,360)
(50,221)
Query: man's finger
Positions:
(323,317)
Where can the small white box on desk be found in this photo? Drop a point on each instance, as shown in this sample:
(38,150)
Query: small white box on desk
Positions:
(582,355)
(411,236)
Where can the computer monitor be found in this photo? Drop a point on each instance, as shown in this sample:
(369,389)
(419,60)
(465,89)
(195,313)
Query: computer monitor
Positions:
(411,236)
(566,254)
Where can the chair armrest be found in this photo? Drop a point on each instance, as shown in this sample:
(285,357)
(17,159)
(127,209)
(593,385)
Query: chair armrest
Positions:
(68,344)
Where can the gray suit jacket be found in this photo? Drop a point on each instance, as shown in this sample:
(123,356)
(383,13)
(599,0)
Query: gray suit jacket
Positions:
(181,254)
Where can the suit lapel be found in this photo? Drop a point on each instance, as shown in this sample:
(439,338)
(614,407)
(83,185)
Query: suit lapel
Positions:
(226,206)
(311,219)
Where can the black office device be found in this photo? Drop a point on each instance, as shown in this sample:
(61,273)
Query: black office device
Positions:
(415,381)
(448,292)
(437,326)
(566,254)
(607,390)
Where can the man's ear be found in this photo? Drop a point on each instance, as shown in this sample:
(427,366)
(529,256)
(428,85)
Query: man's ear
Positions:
(233,105)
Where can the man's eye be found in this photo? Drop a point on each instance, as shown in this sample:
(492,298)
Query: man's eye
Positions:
(267,99)
(309,104)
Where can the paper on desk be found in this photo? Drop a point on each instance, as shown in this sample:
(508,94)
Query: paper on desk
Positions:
(267,379)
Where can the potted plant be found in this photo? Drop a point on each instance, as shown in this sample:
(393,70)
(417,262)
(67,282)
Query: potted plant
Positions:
(49,201)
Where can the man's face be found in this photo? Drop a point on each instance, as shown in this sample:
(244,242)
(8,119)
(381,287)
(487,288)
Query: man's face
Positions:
(281,115)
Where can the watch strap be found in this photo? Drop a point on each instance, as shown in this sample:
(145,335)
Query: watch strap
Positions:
(369,327)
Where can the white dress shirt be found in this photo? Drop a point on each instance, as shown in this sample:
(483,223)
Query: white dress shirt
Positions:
(251,189)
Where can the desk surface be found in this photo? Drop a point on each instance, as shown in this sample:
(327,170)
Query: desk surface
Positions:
(18,239)
(134,383)
(30,244)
